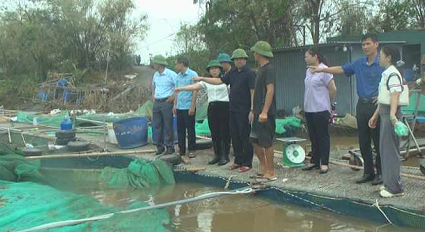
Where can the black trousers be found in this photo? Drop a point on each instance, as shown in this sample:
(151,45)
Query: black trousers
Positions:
(318,131)
(186,122)
(365,111)
(218,122)
(239,131)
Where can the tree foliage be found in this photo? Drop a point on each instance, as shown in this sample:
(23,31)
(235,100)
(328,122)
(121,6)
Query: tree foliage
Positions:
(399,15)
(228,25)
(41,35)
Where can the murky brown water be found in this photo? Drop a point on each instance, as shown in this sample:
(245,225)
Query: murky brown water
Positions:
(235,213)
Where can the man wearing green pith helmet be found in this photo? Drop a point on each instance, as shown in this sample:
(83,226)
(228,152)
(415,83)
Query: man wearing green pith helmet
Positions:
(263,126)
(225,62)
(242,82)
(163,84)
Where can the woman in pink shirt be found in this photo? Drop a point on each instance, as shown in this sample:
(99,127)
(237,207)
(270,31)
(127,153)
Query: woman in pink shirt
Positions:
(320,91)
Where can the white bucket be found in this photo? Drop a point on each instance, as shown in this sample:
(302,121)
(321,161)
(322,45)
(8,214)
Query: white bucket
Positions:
(111,135)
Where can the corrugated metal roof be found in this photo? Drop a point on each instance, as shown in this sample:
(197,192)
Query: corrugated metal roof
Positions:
(409,36)
(330,44)
(279,49)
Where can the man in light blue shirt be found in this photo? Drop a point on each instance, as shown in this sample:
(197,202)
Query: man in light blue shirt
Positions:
(163,84)
(184,107)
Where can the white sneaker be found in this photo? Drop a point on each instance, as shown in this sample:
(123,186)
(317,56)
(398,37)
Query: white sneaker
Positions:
(386,194)
(382,187)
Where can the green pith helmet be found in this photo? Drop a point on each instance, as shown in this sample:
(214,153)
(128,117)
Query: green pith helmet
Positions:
(214,63)
(239,53)
(160,59)
(224,57)
(263,48)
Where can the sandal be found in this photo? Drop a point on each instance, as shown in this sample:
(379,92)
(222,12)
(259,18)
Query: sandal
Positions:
(256,175)
(191,154)
(234,166)
(324,171)
(244,169)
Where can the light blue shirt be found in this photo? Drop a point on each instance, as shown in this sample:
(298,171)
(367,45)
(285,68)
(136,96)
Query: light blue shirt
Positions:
(184,99)
(164,83)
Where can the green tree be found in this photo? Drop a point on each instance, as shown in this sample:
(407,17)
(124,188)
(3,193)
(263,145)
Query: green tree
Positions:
(357,20)
(228,25)
(189,42)
(395,15)
(418,9)
(42,35)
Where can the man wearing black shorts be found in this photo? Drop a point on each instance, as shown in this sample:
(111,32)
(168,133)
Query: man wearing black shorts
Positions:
(264,110)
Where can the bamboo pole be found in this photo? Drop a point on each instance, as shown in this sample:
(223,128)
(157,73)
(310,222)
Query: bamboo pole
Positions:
(89,120)
(92,154)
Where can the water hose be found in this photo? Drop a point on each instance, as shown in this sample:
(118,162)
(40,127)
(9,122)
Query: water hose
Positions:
(53,225)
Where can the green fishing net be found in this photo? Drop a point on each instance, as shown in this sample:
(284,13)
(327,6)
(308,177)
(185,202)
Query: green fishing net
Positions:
(138,174)
(26,205)
(27,200)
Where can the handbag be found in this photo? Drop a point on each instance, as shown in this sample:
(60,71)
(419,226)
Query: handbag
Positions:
(384,96)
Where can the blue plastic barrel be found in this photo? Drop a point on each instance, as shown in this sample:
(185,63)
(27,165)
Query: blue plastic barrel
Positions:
(131,132)
(66,124)
(174,130)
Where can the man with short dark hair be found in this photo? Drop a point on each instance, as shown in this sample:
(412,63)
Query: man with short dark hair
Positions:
(368,75)
(184,107)
(163,84)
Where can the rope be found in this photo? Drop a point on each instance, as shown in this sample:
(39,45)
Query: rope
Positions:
(106,216)
(228,182)
(379,208)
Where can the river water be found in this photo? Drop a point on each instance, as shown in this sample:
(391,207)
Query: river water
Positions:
(240,213)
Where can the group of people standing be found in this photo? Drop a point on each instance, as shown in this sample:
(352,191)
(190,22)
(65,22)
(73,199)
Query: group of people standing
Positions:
(375,120)
(242,109)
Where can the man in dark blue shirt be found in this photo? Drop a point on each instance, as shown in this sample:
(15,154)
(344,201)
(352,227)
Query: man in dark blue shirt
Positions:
(242,83)
(368,75)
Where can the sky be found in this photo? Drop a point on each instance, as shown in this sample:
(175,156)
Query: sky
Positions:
(164,18)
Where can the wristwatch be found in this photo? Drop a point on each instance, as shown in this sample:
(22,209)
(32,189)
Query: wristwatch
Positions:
(333,105)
